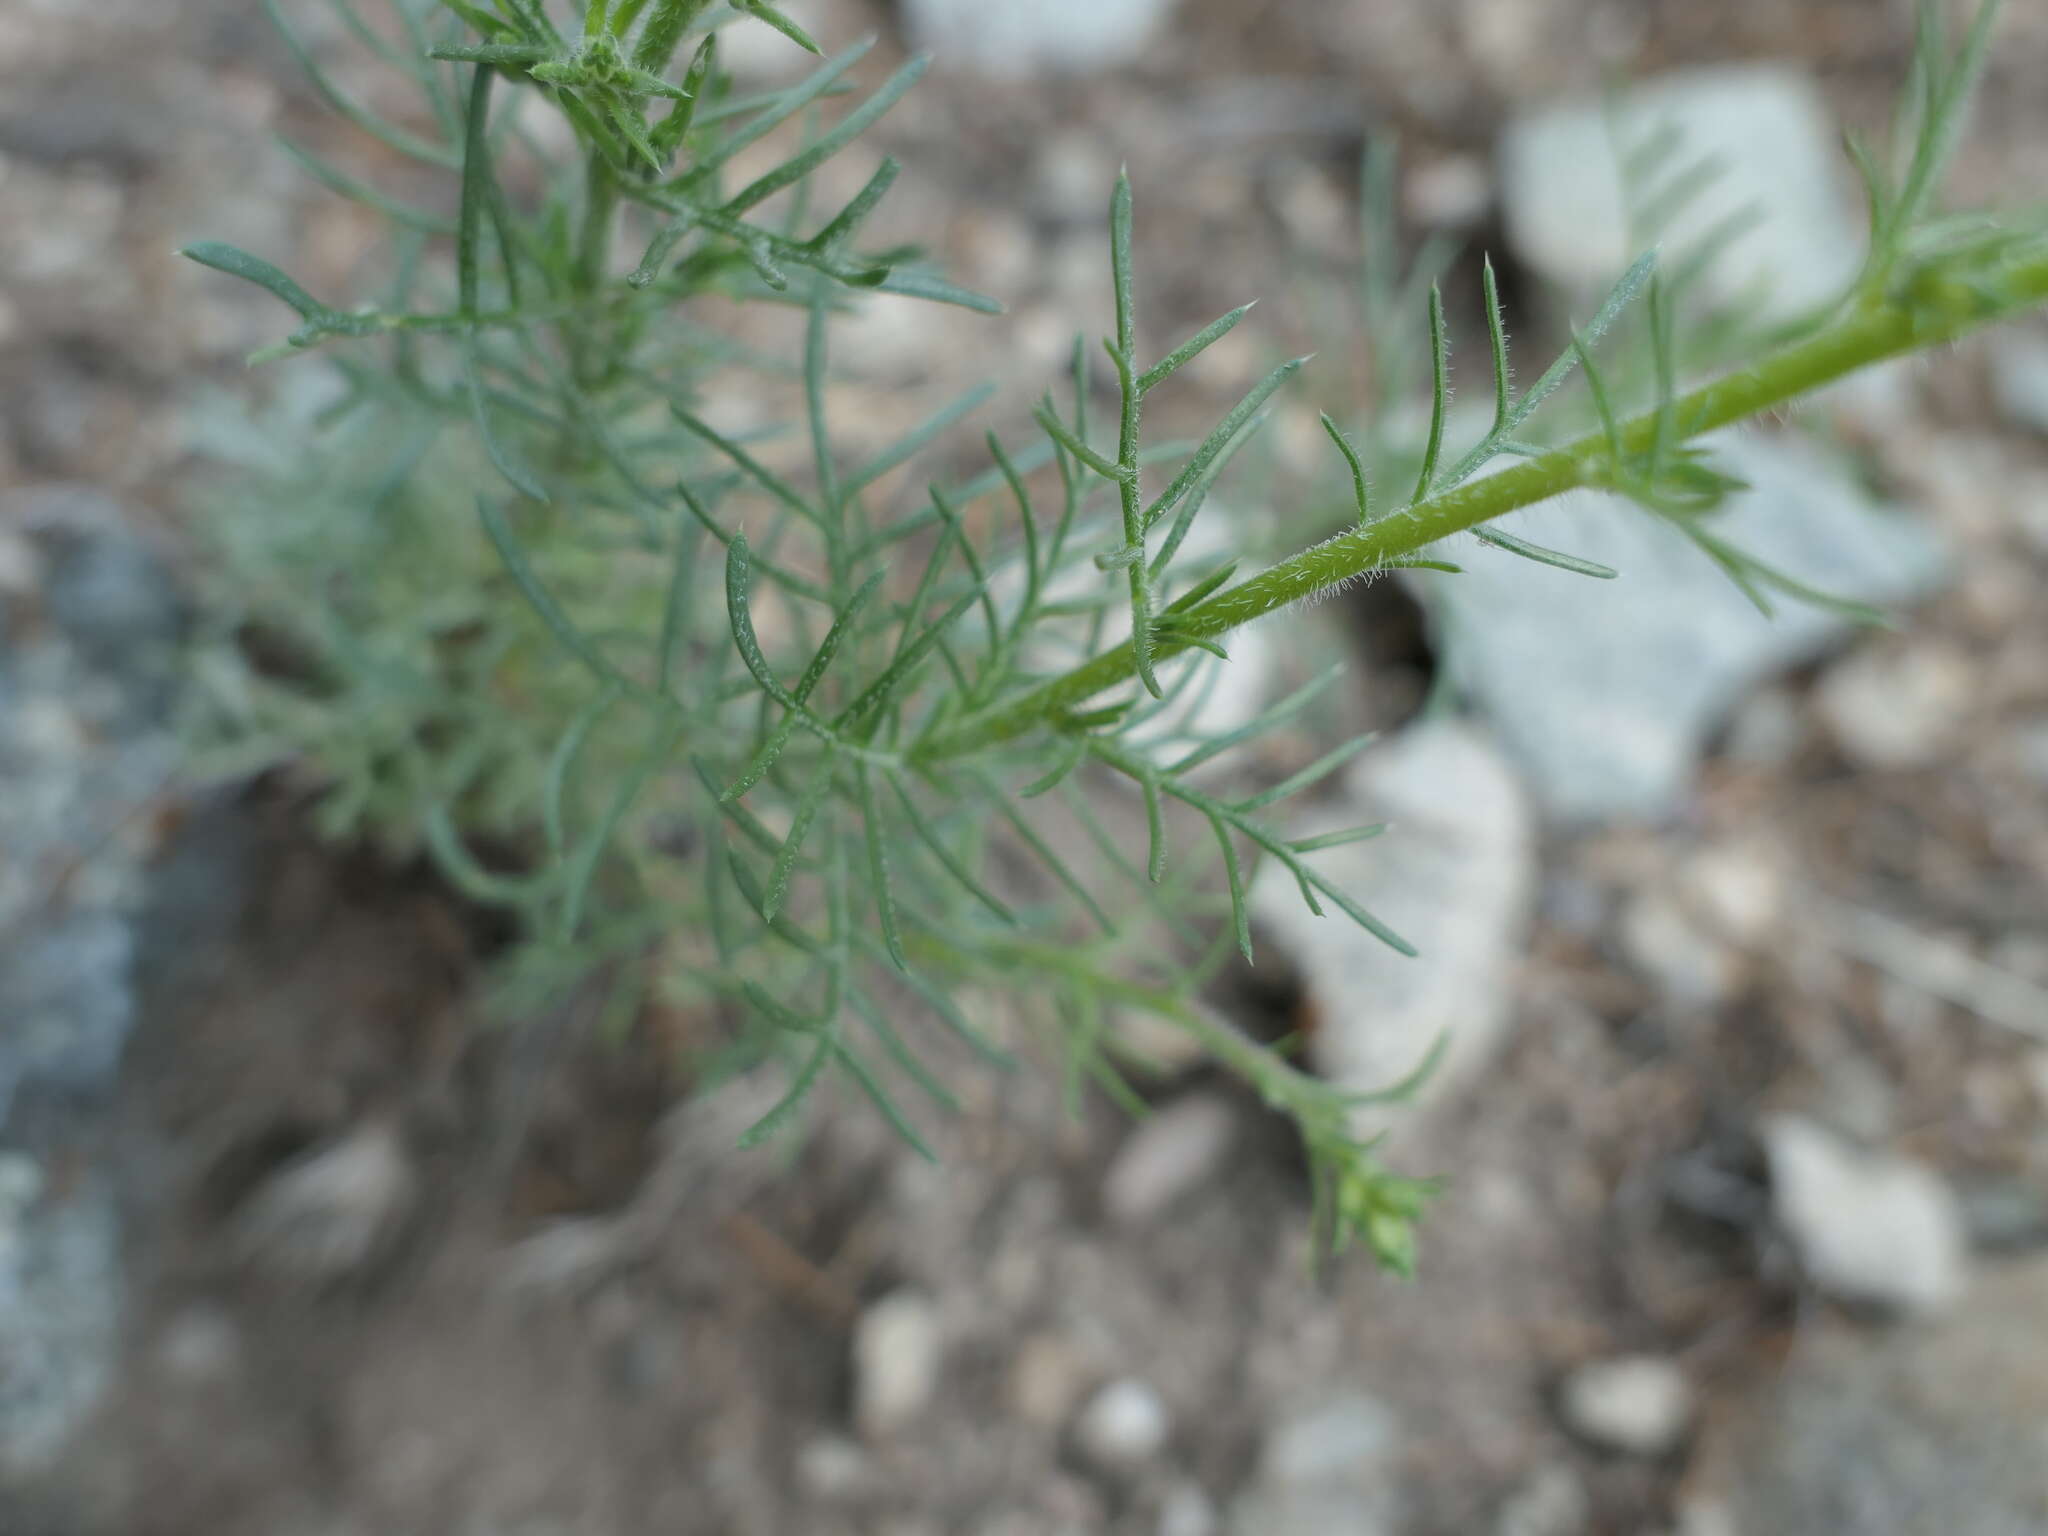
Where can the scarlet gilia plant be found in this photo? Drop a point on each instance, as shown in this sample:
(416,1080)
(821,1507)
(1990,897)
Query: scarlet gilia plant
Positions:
(788,745)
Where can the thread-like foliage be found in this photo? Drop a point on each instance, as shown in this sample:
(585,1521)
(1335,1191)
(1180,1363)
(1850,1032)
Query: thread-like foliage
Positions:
(739,713)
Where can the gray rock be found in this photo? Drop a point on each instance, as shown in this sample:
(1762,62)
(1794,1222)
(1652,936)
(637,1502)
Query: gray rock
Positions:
(1187,1511)
(1168,1156)
(1550,1502)
(1769,130)
(60,1301)
(1017,38)
(1900,1432)
(1606,691)
(1638,1404)
(1314,1512)
(1124,1423)
(86,679)
(2005,1215)
(834,1470)
(1868,1228)
(1348,1438)
(1327,1470)
(897,1351)
(1454,875)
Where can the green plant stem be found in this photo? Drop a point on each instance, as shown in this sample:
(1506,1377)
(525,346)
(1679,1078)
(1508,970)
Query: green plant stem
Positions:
(593,255)
(1903,324)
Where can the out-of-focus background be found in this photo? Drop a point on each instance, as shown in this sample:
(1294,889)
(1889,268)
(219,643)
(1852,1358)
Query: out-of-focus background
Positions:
(1743,928)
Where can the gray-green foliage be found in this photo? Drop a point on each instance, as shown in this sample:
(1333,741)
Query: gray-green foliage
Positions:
(782,739)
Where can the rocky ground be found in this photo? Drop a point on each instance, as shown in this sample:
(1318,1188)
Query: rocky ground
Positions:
(1744,928)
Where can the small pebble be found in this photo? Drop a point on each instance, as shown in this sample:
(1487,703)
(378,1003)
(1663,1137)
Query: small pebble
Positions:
(1637,1404)
(1897,710)
(1046,1379)
(1124,1423)
(1867,1227)
(333,1211)
(833,1470)
(1346,1439)
(1168,1156)
(1689,966)
(1187,1511)
(896,1354)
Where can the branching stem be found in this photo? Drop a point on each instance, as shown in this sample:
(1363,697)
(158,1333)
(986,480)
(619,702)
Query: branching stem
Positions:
(1907,322)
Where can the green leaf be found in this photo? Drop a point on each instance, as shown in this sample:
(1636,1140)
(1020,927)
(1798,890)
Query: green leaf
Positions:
(763,11)
(397,138)
(1214,444)
(1240,911)
(254,269)
(1192,348)
(503,458)
(880,1098)
(786,1107)
(565,631)
(918,438)
(358,191)
(848,129)
(883,885)
(1439,391)
(772,749)
(1497,335)
(948,860)
(807,806)
(1360,495)
(1528,551)
(476,177)
(1321,768)
(1619,297)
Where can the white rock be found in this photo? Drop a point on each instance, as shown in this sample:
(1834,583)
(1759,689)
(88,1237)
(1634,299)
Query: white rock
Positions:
(1454,875)
(1124,1423)
(1605,692)
(1011,39)
(1640,1404)
(1867,1227)
(1899,709)
(332,1211)
(1769,130)
(1167,1156)
(897,1349)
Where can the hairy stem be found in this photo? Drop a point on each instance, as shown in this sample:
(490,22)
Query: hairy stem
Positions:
(1908,322)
